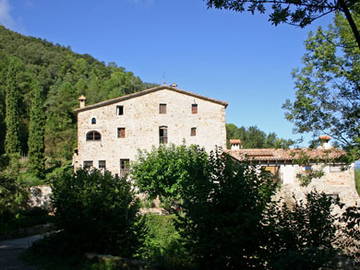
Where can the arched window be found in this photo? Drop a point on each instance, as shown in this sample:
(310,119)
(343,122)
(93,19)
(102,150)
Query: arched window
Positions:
(93,121)
(93,136)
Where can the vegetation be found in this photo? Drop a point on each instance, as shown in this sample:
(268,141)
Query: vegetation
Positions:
(253,137)
(357,179)
(327,87)
(299,13)
(96,212)
(62,76)
(165,170)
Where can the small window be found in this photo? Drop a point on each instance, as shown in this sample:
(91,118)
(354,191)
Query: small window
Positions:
(121,132)
(88,164)
(163,137)
(193,131)
(93,121)
(194,108)
(102,164)
(120,110)
(93,136)
(124,167)
(336,168)
(162,108)
(307,168)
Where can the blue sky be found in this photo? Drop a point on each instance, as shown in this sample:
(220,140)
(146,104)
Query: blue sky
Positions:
(238,58)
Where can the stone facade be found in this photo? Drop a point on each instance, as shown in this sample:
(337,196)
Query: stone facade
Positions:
(337,180)
(140,124)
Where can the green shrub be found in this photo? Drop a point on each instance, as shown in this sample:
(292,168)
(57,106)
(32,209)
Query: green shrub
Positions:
(301,236)
(163,171)
(163,246)
(96,213)
(222,210)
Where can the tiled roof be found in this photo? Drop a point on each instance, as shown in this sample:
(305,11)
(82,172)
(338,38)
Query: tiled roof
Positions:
(271,154)
(147,91)
(235,141)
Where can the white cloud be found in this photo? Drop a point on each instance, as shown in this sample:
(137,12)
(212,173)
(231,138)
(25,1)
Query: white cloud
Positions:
(5,18)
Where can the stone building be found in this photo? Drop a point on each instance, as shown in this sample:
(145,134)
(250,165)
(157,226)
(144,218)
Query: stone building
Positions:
(322,166)
(111,132)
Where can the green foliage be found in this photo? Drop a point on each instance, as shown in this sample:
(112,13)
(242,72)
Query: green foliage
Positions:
(163,171)
(306,178)
(12,116)
(162,246)
(13,200)
(253,137)
(222,213)
(36,133)
(301,235)
(327,87)
(96,213)
(299,13)
(63,76)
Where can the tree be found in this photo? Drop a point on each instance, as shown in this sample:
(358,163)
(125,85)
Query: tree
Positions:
(12,117)
(36,132)
(253,137)
(295,12)
(163,171)
(328,86)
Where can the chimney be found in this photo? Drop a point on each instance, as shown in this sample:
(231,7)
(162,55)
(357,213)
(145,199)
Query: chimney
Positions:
(82,100)
(173,85)
(324,142)
(235,144)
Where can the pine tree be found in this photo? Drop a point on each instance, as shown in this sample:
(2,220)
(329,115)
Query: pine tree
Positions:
(12,115)
(36,132)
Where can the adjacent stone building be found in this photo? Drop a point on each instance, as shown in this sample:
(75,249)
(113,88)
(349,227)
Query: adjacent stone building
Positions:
(322,167)
(111,132)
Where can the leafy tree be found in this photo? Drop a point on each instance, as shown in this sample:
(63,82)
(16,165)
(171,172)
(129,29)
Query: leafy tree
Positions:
(299,12)
(163,171)
(36,133)
(253,137)
(96,212)
(328,86)
(12,117)
(222,214)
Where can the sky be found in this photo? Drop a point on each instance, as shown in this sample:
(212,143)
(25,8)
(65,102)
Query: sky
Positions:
(238,58)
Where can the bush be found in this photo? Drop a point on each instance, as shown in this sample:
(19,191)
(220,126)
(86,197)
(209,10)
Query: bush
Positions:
(302,236)
(222,214)
(96,213)
(163,171)
(163,245)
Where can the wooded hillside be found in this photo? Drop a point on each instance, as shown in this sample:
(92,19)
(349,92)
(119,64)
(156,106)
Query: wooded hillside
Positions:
(62,76)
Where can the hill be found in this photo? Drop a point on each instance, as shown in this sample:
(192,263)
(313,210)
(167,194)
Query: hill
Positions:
(63,76)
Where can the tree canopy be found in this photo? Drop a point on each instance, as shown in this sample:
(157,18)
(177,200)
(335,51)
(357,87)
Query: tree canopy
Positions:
(328,86)
(294,12)
(253,137)
(63,76)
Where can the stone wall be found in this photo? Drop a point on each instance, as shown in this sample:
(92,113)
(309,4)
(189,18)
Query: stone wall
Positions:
(141,120)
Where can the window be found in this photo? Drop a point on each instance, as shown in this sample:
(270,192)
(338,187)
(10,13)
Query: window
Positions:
(163,138)
(93,136)
(121,132)
(337,168)
(93,121)
(162,108)
(88,164)
(120,110)
(193,131)
(194,108)
(102,164)
(307,169)
(124,167)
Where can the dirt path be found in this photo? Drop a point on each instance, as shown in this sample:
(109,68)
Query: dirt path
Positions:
(11,249)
